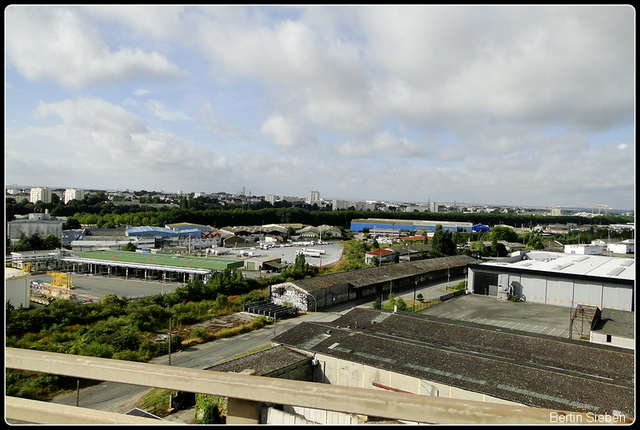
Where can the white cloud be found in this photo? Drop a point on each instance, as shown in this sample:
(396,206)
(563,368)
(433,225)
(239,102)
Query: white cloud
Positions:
(158,109)
(141,92)
(105,141)
(496,103)
(160,22)
(286,133)
(55,43)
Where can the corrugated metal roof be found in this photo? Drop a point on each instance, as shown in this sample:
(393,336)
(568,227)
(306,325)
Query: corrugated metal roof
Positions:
(585,265)
(375,275)
(534,370)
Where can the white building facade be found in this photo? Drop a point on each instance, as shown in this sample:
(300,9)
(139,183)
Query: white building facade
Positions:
(583,249)
(40,193)
(558,279)
(73,194)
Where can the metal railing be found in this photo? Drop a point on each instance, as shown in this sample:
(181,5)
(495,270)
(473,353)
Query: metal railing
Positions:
(246,393)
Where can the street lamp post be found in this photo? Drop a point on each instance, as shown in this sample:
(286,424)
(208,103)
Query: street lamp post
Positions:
(415,286)
(446,287)
(315,314)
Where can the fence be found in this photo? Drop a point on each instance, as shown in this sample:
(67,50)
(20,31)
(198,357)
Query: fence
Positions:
(424,304)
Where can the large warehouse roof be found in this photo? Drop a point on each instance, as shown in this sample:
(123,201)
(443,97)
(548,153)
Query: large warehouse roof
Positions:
(534,370)
(573,264)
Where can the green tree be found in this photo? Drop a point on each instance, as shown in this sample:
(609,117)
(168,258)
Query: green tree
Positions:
(71,224)
(503,233)
(377,303)
(130,247)
(35,241)
(51,241)
(401,304)
(442,243)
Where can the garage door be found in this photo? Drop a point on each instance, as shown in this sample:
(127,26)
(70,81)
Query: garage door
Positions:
(560,293)
(587,293)
(617,297)
(534,289)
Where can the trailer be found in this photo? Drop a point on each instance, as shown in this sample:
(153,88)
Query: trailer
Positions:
(308,253)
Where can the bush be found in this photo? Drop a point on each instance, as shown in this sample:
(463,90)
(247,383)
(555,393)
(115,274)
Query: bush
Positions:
(129,356)
(199,332)
(95,349)
(210,409)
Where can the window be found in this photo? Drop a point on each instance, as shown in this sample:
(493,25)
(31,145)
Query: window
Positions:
(608,338)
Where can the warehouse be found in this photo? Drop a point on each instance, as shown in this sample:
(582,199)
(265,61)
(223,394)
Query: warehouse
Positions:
(440,357)
(558,279)
(324,291)
(148,231)
(148,265)
(393,227)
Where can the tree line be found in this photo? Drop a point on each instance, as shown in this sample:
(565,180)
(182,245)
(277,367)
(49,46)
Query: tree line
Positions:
(96,210)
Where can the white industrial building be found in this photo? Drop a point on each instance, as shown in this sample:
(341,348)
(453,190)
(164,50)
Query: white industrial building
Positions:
(583,249)
(558,279)
(624,247)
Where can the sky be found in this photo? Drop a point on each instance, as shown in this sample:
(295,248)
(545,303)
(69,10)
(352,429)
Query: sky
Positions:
(501,105)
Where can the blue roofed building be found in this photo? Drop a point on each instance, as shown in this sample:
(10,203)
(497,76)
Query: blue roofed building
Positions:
(149,231)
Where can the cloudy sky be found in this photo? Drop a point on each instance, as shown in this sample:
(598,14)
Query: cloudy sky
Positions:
(505,105)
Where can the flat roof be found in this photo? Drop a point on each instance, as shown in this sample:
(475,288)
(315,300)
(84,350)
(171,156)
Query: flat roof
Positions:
(573,264)
(534,370)
(123,257)
(616,322)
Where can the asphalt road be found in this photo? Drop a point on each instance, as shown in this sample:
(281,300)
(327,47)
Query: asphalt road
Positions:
(114,397)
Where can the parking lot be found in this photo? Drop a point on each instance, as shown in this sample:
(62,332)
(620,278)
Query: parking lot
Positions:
(530,317)
(332,253)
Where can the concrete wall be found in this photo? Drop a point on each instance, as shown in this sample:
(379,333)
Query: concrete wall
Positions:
(619,341)
(17,288)
(28,227)
(350,374)
(297,415)
(289,293)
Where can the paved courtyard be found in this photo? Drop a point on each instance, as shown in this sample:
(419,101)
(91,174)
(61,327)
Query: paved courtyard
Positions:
(530,317)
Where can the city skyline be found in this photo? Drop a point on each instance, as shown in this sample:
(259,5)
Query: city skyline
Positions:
(511,106)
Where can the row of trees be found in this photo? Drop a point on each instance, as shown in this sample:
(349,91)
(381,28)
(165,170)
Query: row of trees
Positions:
(35,242)
(95,209)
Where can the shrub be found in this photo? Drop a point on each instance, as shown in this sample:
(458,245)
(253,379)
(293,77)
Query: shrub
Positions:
(199,332)
(128,356)
(95,349)
(210,409)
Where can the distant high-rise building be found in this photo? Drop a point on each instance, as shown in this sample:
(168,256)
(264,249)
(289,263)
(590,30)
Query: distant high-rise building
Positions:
(314,197)
(73,194)
(40,193)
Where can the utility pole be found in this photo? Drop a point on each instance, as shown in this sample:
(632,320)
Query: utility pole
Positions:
(169,341)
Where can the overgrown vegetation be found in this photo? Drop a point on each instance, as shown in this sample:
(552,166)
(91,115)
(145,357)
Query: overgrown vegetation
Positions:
(119,329)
